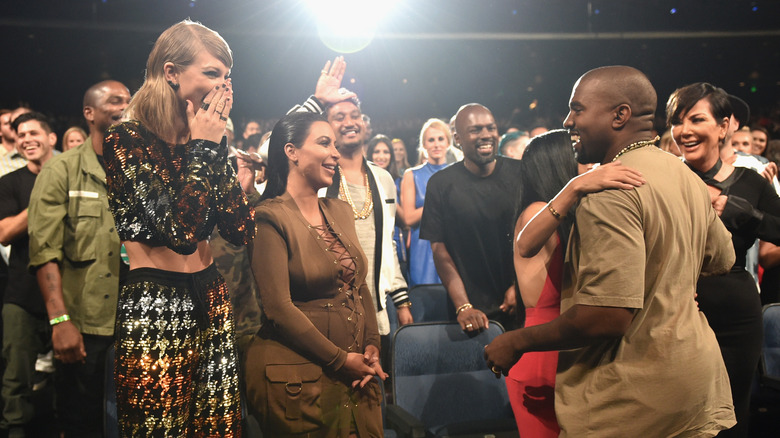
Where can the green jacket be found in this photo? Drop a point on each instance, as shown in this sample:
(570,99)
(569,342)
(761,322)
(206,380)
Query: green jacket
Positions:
(69,222)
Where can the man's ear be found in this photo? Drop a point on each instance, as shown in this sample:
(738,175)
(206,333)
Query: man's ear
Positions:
(89,114)
(621,115)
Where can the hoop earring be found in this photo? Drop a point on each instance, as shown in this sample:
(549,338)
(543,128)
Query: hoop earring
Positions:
(174,86)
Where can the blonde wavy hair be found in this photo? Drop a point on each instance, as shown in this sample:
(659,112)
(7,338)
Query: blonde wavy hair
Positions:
(155,104)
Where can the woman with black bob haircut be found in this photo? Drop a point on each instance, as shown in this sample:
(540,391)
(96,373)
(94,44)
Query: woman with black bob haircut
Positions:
(310,369)
(551,187)
(698,116)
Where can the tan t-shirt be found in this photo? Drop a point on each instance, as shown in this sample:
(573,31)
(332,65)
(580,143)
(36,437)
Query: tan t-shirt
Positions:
(644,249)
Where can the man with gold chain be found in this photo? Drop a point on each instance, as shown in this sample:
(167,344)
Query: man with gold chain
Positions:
(633,343)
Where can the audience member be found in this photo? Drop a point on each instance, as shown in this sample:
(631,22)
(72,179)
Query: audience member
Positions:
(13,158)
(468,214)
(73,137)
(628,314)
(74,249)
(7,135)
(547,168)
(369,189)
(26,332)
(760,140)
(435,139)
(319,333)
(380,152)
(698,115)
(742,140)
(169,183)
(513,144)
(400,156)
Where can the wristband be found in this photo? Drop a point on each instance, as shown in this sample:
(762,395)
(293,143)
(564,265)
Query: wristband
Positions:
(59,319)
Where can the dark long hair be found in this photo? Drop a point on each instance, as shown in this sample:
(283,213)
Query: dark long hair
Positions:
(381,138)
(292,128)
(548,164)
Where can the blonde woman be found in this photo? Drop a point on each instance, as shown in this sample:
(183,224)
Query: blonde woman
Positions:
(169,183)
(435,138)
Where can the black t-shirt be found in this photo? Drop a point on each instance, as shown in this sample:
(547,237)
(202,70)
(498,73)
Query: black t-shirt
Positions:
(473,217)
(22,288)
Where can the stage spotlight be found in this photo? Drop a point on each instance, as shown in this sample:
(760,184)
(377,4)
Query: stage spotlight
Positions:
(348,26)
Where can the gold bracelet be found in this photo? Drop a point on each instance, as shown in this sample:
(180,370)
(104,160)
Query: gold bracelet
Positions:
(554,211)
(462,308)
(404,304)
(59,319)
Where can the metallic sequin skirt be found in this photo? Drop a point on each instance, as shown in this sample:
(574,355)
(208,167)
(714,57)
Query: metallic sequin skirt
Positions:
(176,369)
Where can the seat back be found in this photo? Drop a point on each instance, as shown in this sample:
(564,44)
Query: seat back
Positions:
(440,375)
(430,303)
(770,353)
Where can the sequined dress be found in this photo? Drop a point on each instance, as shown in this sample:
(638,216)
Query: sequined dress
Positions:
(176,369)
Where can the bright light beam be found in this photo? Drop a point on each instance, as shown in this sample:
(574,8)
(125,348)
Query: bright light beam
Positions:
(348,26)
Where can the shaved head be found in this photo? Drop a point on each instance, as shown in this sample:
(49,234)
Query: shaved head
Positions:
(94,93)
(610,108)
(622,84)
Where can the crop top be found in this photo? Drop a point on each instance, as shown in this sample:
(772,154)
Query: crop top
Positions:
(172,195)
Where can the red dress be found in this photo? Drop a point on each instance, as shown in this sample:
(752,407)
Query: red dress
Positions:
(531,382)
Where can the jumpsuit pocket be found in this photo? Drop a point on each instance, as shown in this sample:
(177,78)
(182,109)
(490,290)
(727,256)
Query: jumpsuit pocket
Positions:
(294,397)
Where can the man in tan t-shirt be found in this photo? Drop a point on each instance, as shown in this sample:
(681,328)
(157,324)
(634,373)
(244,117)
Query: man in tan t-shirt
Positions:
(640,358)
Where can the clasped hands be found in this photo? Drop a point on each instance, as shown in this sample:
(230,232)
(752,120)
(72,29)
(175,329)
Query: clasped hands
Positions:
(361,368)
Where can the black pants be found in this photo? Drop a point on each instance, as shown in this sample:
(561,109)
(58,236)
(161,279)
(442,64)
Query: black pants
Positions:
(733,309)
(80,390)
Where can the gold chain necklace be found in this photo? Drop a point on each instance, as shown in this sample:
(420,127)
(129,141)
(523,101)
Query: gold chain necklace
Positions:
(637,145)
(368,205)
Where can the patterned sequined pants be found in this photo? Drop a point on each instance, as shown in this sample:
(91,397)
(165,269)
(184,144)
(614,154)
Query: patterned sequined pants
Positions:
(176,368)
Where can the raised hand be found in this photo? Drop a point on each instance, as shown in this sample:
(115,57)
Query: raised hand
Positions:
(328,89)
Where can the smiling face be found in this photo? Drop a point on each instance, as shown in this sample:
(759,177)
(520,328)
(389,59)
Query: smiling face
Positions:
(34,142)
(589,121)
(381,155)
(106,108)
(477,135)
(199,78)
(317,158)
(347,123)
(698,134)
(436,142)
(759,141)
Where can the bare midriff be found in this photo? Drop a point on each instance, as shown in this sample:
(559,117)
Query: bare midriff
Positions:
(161,257)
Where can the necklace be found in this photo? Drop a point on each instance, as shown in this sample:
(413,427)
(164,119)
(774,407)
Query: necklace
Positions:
(637,145)
(368,205)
